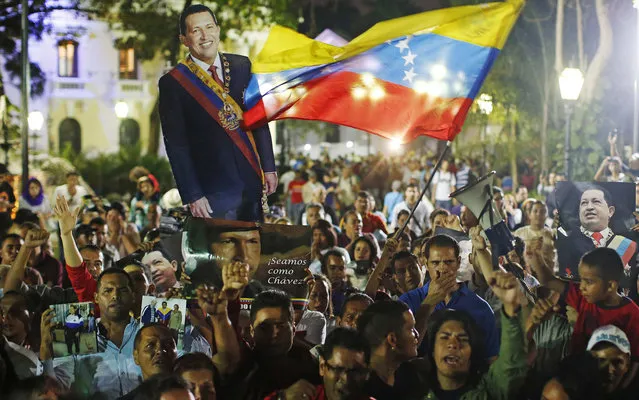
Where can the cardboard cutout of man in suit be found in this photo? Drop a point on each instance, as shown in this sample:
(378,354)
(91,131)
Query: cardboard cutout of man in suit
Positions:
(595,213)
(221,170)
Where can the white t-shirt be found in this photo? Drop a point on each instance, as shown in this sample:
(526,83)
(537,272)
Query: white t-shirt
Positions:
(445,181)
(74,201)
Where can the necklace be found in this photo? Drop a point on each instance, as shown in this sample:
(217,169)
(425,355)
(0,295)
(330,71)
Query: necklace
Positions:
(228,118)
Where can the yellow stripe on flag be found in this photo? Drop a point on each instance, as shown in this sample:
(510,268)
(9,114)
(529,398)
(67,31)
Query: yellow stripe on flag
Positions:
(486,25)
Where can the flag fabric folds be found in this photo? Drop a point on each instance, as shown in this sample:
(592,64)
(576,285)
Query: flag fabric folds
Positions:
(403,78)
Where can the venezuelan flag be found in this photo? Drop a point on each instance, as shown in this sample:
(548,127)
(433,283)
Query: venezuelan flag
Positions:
(403,78)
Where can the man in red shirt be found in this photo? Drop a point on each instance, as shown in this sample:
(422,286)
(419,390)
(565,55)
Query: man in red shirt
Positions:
(370,221)
(83,266)
(297,201)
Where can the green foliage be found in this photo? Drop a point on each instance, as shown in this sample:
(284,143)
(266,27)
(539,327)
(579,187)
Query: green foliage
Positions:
(151,26)
(109,173)
(10,51)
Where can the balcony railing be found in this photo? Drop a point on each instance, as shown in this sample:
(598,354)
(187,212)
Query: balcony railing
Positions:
(128,88)
(70,88)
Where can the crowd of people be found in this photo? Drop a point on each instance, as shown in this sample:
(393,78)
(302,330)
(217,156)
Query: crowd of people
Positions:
(396,309)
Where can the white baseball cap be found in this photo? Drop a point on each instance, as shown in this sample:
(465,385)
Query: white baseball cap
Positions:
(610,334)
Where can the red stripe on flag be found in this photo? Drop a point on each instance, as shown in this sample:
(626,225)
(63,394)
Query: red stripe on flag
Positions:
(379,107)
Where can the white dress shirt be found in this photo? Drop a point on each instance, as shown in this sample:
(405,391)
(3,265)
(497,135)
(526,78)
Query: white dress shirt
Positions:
(205,66)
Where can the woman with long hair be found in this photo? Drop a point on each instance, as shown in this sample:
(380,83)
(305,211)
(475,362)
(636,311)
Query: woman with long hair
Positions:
(351,227)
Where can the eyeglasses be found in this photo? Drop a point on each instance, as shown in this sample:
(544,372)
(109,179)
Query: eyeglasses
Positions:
(354,372)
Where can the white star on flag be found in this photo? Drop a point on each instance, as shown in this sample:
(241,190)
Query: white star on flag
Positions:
(409,75)
(409,58)
(403,44)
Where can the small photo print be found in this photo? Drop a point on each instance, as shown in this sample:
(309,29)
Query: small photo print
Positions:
(75,329)
(169,312)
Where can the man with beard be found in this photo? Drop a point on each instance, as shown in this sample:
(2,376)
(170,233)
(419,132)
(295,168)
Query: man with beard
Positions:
(276,363)
(595,214)
(154,351)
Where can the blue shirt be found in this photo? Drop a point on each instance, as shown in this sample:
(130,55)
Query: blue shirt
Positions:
(464,300)
(390,201)
(111,373)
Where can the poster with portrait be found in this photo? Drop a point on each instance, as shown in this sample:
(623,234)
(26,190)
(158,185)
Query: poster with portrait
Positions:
(168,312)
(75,329)
(594,215)
(277,255)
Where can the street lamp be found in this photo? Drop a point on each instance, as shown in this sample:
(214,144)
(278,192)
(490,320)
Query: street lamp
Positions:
(571,81)
(121,110)
(485,104)
(35,120)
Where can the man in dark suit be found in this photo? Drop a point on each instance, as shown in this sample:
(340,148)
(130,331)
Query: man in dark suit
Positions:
(595,213)
(221,170)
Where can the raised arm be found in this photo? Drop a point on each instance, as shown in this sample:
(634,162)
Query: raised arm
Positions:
(390,248)
(482,256)
(15,276)
(506,376)
(215,304)
(67,219)
(534,257)
(599,176)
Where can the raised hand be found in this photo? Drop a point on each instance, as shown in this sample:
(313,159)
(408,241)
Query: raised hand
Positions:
(506,287)
(612,138)
(66,217)
(46,338)
(145,247)
(391,246)
(212,301)
(452,222)
(235,276)
(440,287)
(36,238)
(477,239)
(542,309)
(636,227)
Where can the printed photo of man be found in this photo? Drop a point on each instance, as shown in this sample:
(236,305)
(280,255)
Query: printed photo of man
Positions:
(595,229)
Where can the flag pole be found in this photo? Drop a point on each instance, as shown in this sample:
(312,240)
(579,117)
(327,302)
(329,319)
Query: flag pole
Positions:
(430,179)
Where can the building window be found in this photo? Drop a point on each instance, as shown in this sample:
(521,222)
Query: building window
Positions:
(68,58)
(70,135)
(129,132)
(128,64)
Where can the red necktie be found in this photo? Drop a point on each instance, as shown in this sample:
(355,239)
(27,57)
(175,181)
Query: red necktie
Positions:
(597,236)
(213,70)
